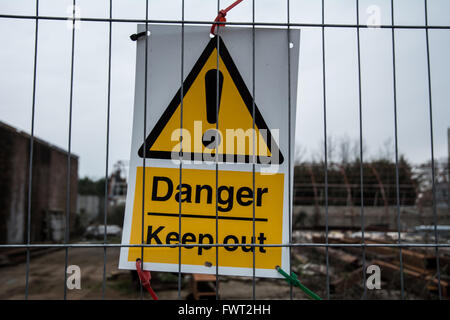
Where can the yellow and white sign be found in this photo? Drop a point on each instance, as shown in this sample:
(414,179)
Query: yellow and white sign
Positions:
(198,225)
(216,167)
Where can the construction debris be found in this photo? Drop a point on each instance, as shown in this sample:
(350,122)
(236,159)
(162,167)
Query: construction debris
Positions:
(418,264)
(203,286)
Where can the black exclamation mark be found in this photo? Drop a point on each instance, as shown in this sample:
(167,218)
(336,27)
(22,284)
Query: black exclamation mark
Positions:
(211,87)
(212,104)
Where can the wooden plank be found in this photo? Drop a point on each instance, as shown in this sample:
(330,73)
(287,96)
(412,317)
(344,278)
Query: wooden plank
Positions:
(414,260)
(203,285)
(347,281)
(389,271)
(350,261)
(203,277)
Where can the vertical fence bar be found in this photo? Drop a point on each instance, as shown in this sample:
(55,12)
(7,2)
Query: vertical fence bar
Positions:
(361,159)
(254,153)
(289,145)
(145,142)
(217,154)
(69,148)
(325,150)
(430,104)
(30,172)
(181,145)
(397,186)
(105,219)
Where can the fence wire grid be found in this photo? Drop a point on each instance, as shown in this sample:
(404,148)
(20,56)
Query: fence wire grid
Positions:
(287,25)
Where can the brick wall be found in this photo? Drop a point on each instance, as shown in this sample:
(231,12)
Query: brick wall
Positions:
(49,189)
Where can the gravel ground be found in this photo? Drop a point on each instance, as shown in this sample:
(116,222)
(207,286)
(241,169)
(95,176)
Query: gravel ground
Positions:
(47,279)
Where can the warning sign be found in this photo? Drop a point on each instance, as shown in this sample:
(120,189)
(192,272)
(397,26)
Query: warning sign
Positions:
(217,201)
(210,85)
(198,194)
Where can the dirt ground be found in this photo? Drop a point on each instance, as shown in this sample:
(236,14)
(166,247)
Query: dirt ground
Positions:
(47,279)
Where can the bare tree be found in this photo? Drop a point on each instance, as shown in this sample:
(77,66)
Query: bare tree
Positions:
(331,150)
(344,149)
(300,154)
(386,152)
(355,148)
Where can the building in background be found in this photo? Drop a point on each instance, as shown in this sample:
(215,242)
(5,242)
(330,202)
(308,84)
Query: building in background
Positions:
(49,188)
(117,191)
(443,183)
(89,208)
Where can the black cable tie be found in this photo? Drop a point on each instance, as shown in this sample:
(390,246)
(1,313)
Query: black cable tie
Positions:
(136,36)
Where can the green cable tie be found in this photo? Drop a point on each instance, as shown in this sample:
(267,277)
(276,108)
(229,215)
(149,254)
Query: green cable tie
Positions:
(293,279)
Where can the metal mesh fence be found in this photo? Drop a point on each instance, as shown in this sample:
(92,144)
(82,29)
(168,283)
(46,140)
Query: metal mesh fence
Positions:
(358,188)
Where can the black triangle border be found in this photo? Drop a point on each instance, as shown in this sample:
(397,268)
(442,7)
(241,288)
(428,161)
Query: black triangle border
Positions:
(176,100)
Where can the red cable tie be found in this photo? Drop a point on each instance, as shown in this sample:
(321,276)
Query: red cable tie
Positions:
(145,277)
(221,16)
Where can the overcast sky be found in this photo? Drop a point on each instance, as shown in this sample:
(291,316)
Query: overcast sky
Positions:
(91,65)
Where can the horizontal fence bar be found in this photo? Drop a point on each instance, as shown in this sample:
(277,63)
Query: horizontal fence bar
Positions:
(243,23)
(193,245)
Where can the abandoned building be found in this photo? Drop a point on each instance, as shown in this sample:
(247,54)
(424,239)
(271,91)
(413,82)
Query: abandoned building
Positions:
(49,188)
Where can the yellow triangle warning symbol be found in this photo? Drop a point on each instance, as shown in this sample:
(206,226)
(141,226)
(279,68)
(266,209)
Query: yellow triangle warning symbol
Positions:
(203,120)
